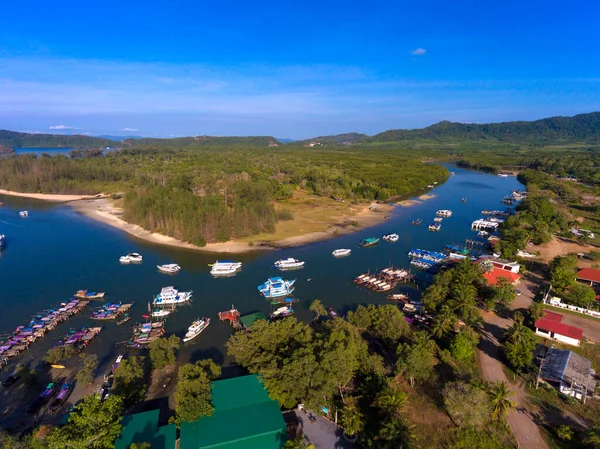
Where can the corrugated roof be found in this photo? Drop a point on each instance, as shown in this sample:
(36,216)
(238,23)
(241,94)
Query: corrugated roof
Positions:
(566,366)
(559,328)
(244,417)
(248,320)
(551,316)
(142,427)
(494,276)
(589,274)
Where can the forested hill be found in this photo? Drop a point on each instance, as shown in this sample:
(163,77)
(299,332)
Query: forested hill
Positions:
(329,140)
(12,139)
(553,130)
(200,141)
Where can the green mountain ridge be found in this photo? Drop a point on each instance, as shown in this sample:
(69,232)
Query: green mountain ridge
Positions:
(553,130)
(335,139)
(13,139)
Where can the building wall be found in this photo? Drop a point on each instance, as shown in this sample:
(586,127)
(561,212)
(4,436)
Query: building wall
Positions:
(557,337)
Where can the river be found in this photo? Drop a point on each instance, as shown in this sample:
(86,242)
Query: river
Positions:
(56,251)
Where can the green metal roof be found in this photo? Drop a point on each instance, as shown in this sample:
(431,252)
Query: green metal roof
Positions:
(244,418)
(144,427)
(248,320)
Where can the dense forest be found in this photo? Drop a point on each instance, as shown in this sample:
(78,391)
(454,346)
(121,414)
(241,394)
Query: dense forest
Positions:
(12,139)
(555,130)
(203,195)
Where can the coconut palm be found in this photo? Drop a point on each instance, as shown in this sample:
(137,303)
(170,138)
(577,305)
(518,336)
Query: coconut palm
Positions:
(318,309)
(515,332)
(351,420)
(592,437)
(500,402)
(444,322)
(390,401)
(394,434)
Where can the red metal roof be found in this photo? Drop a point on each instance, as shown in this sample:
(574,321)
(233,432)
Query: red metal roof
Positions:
(551,316)
(559,328)
(589,274)
(494,276)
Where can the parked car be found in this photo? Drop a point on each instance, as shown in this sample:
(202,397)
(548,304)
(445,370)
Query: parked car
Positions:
(518,292)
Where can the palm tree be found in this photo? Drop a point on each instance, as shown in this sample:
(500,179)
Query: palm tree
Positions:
(390,401)
(318,309)
(444,322)
(592,437)
(394,434)
(515,332)
(351,420)
(500,402)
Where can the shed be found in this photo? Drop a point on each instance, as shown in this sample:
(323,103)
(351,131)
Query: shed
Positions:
(251,318)
(143,427)
(571,372)
(550,326)
(590,276)
(244,417)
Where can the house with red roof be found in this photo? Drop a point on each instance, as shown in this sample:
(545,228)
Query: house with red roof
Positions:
(590,276)
(501,269)
(550,326)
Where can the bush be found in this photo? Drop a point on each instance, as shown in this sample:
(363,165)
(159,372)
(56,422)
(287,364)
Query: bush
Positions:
(284,215)
(594,255)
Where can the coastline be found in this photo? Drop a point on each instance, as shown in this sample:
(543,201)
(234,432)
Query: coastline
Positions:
(104,210)
(56,198)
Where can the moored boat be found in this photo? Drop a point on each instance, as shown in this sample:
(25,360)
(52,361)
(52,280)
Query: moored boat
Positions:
(170,268)
(341,252)
(196,329)
(225,268)
(160,313)
(444,213)
(332,313)
(369,241)
(2,241)
(24,213)
(417,222)
(131,258)
(63,393)
(438,219)
(392,238)
(435,227)
(397,297)
(288,264)
(85,294)
(126,317)
(276,287)
(281,312)
(171,296)
(48,393)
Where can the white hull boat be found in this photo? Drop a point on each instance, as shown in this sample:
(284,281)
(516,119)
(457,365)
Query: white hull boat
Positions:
(392,238)
(276,287)
(445,213)
(160,313)
(225,268)
(341,252)
(131,258)
(171,296)
(196,329)
(289,264)
(170,268)
(24,213)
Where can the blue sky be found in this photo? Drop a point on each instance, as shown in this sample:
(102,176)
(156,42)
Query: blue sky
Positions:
(292,69)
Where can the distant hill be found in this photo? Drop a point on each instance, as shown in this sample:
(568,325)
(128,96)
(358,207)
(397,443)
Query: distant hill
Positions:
(331,140)
(553,130)
(119,138)
(286,140)
(14,139)
(201,141)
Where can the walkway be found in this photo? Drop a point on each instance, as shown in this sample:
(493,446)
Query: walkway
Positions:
(521,420)
(322,433)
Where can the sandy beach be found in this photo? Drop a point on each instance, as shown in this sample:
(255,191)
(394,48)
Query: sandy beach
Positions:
(47,196)
(408,203)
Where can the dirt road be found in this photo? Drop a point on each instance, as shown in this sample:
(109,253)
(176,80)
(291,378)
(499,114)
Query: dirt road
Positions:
(521,421)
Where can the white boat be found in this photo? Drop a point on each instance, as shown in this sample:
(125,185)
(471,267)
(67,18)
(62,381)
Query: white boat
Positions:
(288,264)
(131,258)
(159,313)
(437,219)
(483,234)
(435,227)
(169,268)
(444,213)
(24,213)
(392,238)
(276,287)
(282,312)
(341,252)
(2,241)
(225,267)
(171,296)
(196,328)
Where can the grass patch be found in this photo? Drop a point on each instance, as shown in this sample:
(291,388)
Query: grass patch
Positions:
(284,215)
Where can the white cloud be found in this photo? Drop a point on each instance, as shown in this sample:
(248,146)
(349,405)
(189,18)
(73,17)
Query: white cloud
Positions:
(419,52)
(130,129)
(61,127)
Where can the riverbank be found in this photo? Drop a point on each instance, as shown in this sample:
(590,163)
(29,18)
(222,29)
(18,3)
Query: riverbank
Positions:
(408,203)
(47,196)
(105,211)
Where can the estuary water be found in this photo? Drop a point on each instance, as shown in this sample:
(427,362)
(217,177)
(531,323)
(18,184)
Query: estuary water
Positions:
(56,251)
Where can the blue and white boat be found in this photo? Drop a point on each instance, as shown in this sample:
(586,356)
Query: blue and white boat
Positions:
(2,241)
(169,296)
(276,287)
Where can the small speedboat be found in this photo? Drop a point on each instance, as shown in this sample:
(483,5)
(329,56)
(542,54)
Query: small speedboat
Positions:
(483,234)
(369,241)
(170,268)
(438,219)
(392,238)
(196,328)
(341,252)
(332,313)
(84,294)
(446,213)
(2,241)
(159,313)
(131,258)
(288,264)
(24,213)
(435,227)
(417,222)
(282,312)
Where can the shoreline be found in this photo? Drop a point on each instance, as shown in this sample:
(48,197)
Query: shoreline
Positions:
(53,197)
(101,208)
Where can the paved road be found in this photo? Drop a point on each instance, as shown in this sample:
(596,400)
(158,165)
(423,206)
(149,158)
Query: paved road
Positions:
(323,433)
(521,421)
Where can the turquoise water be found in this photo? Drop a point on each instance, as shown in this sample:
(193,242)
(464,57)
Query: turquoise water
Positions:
(56,251)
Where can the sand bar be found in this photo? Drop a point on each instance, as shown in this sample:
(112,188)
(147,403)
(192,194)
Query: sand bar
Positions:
(47,196)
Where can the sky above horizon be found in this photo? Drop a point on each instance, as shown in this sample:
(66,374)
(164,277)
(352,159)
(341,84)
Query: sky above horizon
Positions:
(182,68)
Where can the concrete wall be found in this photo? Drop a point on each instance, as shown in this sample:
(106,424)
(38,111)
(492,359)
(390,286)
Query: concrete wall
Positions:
(557,337)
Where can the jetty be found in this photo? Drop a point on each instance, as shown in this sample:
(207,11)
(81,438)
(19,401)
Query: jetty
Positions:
(144,334)
(383,281)
(231,315)
(110,311)
(80,339)
(40,324)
